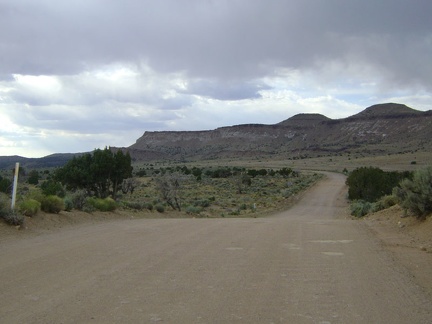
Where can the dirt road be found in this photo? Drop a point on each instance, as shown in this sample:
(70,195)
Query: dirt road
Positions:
(306,265)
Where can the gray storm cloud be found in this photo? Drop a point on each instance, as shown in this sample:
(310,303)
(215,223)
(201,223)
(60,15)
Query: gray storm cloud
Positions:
(216,39)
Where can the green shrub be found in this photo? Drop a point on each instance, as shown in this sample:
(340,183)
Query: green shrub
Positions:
(79,199)
(5,185)
(286,193)
(53,188)
(69,205)
(138,205)
(370,183)
(36,195)
(52,204)
(196,210)
(33,177)
(88,208)
(285,172)
(134,205)
(149,206)
(235,212)
(12,217)
(141,173)
(243,207)
(416,195)
(360,208)
(384,203)
(201,203)
(160,208)
(109,204)
(104,205)
(4,203)
(29,207)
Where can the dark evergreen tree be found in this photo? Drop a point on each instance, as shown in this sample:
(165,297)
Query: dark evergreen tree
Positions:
(100,174)
(5,185)
(33,177)
(370,184)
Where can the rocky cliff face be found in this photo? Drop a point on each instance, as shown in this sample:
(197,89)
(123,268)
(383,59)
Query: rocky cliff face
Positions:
(378,129)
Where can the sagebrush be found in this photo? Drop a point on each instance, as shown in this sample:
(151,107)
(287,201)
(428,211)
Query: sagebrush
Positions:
(416,195)
(105,205)
(10,216)
(29,207)
(52,204)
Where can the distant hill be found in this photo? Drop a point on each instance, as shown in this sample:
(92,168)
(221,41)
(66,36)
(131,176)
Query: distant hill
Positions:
(379,129)
(50,161)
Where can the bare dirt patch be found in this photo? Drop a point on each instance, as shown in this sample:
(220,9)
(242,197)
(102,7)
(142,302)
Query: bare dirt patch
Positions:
(45,222)
(408,238)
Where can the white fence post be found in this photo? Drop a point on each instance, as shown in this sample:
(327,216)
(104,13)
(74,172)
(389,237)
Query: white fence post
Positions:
(15,184)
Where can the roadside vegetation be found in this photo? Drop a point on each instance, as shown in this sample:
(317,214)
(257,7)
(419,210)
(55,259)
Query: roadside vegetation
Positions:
(218,191)
(372,189)
(104,181)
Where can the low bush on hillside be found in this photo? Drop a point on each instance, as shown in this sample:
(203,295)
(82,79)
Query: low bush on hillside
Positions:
(416,195)
(384,202)
(10,216)
(201,203)
(360,208)
(68,203)
(79,199)
(104,205)
(149,206)
(136,205)
(52,204)
(35,195)
(160,208)
(14,218)
(193,210)
(29,207)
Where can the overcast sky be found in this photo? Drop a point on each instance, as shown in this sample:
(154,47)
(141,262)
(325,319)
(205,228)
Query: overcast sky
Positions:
(84,74)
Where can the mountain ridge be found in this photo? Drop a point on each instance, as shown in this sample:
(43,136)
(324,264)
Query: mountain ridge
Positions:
(379,129)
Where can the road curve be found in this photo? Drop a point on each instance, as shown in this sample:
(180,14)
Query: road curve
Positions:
(305,265)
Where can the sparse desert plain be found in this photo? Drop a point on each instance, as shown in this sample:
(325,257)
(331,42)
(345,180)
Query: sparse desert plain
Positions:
(309,263)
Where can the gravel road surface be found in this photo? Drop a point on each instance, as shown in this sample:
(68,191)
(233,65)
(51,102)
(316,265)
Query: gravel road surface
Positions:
(306,265)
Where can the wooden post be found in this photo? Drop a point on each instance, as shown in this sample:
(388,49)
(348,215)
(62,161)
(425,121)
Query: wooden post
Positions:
(15,184)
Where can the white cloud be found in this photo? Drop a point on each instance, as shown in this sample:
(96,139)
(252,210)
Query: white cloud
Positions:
(115,104)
